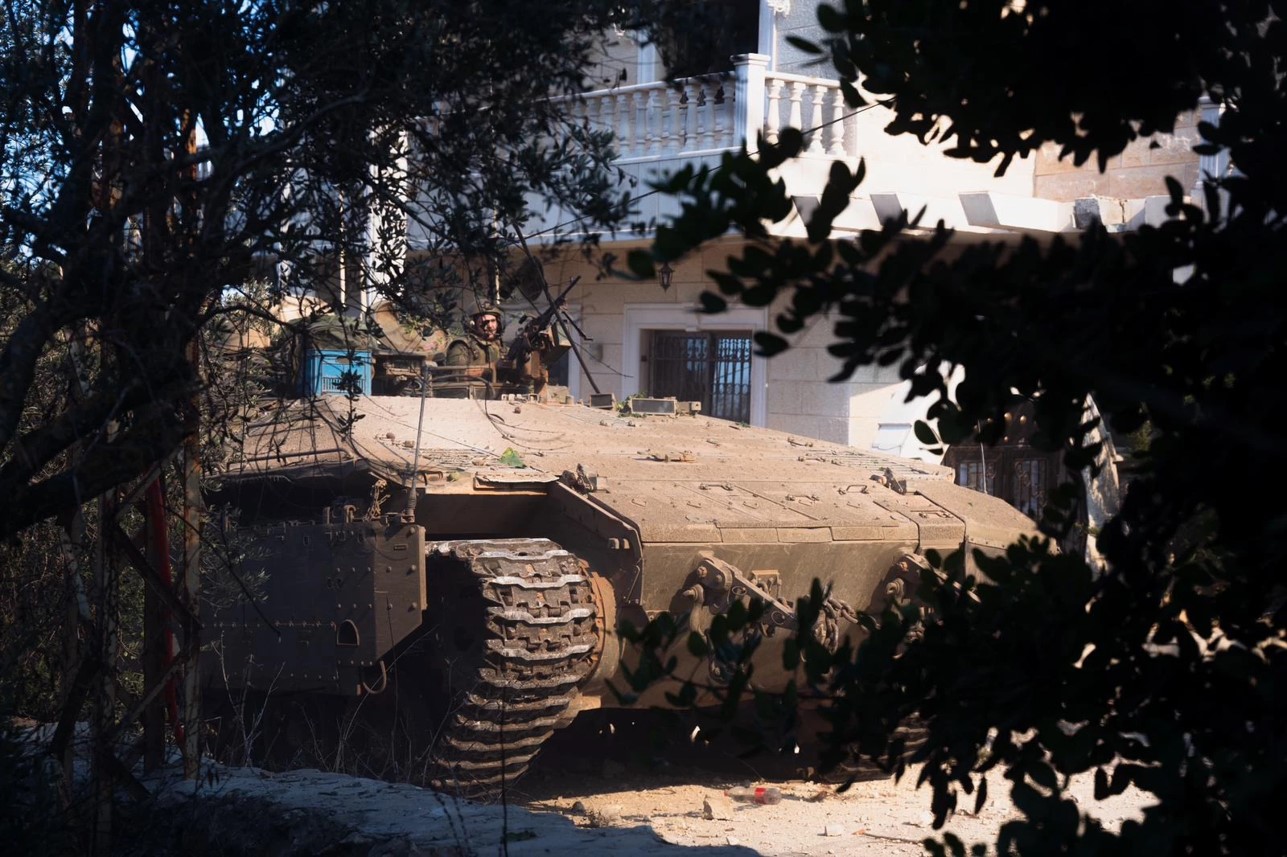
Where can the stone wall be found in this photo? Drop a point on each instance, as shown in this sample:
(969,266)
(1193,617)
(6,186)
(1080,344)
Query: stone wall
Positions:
(1138,172)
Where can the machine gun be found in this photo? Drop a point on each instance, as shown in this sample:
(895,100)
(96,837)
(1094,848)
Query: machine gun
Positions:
(538,344)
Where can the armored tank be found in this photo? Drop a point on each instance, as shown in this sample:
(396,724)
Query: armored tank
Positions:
(462,562)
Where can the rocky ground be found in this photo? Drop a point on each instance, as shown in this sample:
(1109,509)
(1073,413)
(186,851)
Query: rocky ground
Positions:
(872,818)
(559,810)
(682,799)
(596,789)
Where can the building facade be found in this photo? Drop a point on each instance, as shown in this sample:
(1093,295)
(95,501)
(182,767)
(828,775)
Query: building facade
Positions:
(647,338)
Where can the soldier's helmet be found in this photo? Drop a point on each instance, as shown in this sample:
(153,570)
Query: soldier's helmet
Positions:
(482,307)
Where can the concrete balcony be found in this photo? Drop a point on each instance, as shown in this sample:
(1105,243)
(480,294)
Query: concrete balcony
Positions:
(654,121)
(660,128)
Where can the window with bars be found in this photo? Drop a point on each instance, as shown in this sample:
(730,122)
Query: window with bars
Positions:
(713,368)
(1017,474)
(1030,486)
(971,474)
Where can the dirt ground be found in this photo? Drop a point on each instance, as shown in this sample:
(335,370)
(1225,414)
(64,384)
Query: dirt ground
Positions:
(680,796)
(616,786)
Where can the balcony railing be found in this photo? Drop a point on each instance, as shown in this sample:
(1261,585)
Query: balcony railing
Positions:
(713,113)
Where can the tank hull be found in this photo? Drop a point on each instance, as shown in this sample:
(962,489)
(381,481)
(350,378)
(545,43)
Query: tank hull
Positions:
(342,519)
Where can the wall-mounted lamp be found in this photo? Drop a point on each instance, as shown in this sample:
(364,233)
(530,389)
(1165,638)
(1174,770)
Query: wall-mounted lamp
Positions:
(664,273)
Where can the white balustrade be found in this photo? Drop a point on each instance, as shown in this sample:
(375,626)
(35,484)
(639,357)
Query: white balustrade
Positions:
(639,142)
(652,119)
(660,120)
(692,110)
(721,127)
(674,140)
(607,115)
(818,126)
(624,108)
(795,117)
(706,139)
(773,110)
(816,106)
(837,147)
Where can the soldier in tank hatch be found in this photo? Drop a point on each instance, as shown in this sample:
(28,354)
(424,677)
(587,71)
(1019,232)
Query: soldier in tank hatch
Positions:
(481,343)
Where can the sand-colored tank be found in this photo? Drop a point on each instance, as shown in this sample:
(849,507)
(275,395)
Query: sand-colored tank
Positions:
(466,562)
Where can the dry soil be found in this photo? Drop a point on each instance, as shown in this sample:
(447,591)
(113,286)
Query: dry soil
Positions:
(595,781)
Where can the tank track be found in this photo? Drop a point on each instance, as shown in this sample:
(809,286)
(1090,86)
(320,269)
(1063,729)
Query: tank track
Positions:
(540,642)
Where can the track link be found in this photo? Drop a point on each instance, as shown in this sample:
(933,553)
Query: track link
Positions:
(519,682)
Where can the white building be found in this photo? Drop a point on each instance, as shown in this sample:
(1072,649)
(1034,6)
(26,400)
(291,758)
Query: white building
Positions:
(642,338)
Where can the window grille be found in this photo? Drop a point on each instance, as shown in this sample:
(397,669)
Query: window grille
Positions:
(970,474)
(711,368)
(1029,486)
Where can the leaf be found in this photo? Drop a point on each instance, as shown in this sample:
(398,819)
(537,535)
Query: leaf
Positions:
(771,155)
(712,303)
(641,264)
(805,45)
(925,433)
(853,98)
(982,796)
(1043,775)
(510,458)
(769,344)
(830,18)
(1101,784)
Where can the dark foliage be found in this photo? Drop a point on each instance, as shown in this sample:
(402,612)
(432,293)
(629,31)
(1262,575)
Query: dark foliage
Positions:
(1165,669)
(159,155)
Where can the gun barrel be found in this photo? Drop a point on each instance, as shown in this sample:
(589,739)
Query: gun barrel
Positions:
(525,343)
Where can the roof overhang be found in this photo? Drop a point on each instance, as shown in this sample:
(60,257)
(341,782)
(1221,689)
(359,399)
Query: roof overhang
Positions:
(983,213)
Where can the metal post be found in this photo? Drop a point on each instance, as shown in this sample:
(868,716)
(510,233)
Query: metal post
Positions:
(190,592)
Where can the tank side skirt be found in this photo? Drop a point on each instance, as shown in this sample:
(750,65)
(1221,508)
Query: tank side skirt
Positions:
(619,535)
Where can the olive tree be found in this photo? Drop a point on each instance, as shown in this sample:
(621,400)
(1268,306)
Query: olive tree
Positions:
(158,155)
(165,165)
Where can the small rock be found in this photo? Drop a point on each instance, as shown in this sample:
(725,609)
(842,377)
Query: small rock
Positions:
(732,840)
(604,816)
(833,830)
(579,807)
(717,808)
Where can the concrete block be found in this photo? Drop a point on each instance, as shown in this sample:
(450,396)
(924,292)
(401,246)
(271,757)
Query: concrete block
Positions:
(823,399)
(783,398)
(801,363)
(1070,186)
